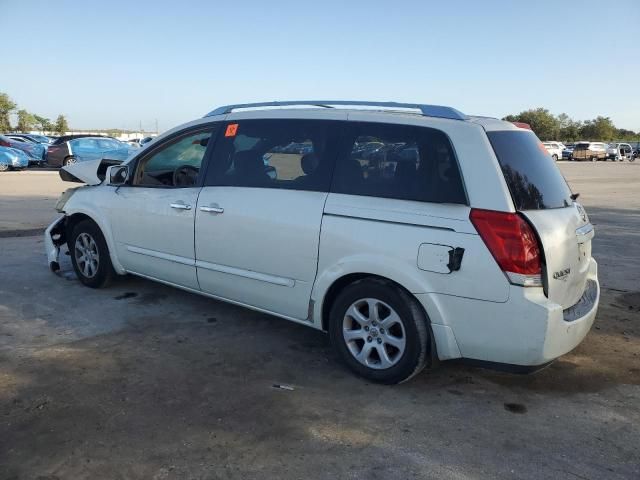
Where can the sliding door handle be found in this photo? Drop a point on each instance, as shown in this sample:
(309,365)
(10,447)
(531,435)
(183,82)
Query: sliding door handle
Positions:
(212,209)
(180,206)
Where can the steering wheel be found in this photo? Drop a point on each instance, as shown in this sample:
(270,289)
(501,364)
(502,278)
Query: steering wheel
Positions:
(185,176)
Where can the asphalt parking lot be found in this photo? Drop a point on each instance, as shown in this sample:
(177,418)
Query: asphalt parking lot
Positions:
(143,381)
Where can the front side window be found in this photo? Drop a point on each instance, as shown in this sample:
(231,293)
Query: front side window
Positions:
(400,162)
(273,153)
(176,164)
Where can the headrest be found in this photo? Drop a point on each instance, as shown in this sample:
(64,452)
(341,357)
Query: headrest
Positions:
(309,163)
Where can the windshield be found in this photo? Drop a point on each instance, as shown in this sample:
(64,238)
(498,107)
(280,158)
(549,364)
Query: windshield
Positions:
(531,174)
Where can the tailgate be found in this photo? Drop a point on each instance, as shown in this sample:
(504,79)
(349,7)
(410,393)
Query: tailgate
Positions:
(565,235)
(541,194)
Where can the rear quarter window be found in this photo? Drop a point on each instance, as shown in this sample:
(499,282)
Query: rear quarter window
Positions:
(400,162)
(533,178)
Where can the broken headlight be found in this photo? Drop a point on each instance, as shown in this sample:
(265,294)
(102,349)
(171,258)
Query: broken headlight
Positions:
(64,198)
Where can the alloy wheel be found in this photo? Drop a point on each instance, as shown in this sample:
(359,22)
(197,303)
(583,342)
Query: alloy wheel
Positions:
(374,333)
(86,255)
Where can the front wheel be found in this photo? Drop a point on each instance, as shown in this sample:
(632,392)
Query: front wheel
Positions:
(555,157)
(379,331)
(90,255)
(594,159)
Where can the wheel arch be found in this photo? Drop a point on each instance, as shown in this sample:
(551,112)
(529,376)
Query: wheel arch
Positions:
(77,215)
(340,283)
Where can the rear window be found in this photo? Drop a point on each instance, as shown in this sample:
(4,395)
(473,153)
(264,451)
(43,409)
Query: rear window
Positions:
(533,179)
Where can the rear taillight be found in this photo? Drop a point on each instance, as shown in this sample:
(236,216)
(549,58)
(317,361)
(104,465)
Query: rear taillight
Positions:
(513,244)
(4,143)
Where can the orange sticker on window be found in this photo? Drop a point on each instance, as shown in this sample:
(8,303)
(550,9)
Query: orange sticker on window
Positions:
(232,129)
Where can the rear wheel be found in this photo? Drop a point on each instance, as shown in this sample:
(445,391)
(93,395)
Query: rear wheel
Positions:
(69,161)
(379,331)
(4,166)
(594,159)
(90,255)
(555,157)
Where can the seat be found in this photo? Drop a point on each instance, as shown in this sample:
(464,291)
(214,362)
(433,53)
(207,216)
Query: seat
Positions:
(350,176)
(405,173)
(250,170)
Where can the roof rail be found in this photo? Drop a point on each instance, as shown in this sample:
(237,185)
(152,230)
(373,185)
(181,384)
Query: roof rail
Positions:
(426,110)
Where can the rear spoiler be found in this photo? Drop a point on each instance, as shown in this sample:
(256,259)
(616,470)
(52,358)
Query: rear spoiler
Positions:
(91,173)
(522,125)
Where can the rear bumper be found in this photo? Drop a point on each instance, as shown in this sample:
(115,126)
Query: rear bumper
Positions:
(527,330)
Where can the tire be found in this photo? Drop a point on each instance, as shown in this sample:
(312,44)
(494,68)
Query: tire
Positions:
(69,161)
(4,167)
(87,239)
(594,159)
(404,344)
(555,157)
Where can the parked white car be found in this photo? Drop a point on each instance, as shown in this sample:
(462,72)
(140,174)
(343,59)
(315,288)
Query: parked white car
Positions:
(555,149)
(455,237)
(619,152)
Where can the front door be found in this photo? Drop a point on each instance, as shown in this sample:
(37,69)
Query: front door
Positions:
(259,213)
(153,216)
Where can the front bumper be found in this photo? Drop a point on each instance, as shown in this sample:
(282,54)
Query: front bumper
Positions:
(54,237)
(526,330)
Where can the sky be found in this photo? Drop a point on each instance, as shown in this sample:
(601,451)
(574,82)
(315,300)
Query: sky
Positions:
(119,64)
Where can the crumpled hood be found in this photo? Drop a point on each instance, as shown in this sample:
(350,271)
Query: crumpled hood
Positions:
(91,172)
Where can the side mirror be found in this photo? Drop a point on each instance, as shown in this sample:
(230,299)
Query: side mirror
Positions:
(118,174)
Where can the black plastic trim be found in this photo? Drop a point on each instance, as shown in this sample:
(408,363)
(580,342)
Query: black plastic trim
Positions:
(501,367)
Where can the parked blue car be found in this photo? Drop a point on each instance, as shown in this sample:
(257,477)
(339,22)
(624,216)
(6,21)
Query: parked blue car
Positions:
(87,148)
(35,151)
(12,159)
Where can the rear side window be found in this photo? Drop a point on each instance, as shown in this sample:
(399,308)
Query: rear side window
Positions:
(533,179)
(401,162)
(273,153)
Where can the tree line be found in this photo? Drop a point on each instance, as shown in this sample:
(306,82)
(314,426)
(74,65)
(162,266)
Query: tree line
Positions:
(28,121)
(562,127)
(545,125)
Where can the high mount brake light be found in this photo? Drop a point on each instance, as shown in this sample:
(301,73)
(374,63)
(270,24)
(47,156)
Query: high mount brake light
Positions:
(513,244)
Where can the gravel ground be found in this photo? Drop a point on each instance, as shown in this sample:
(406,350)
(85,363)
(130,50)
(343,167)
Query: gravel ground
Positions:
(144,381)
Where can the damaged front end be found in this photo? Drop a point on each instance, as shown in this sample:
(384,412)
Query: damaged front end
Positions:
(91,172)
(54,237)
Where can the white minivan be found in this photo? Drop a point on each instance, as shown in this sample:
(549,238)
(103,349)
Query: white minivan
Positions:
(412,234)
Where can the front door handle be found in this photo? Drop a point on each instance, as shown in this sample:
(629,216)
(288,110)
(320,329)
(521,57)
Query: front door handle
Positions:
(212,209)
(180,206)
